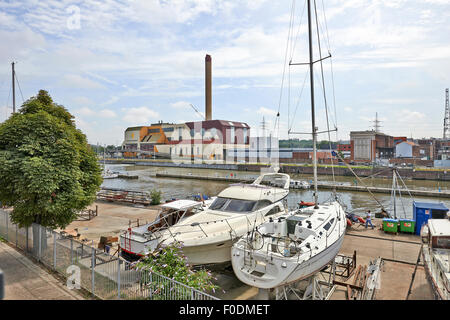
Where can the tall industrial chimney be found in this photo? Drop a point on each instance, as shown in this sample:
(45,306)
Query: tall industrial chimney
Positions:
(208,86)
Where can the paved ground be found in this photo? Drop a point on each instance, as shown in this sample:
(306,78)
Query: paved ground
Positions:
(26,280)
(112,219)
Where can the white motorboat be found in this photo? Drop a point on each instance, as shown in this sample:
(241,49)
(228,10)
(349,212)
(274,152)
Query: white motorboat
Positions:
(291,247)
(142,240)
(297,244)
(207,237)
(299,184)
(107,174)
(436,255)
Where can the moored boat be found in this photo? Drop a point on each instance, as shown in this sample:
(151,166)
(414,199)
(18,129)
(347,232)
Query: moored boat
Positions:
(207,237)
(436,255)
(290,248)
(142,240)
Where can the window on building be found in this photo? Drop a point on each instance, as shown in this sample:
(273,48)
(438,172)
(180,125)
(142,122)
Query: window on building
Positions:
(232,134)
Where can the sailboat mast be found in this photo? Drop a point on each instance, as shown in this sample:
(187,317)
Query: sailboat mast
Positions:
(311,79)
(13,88)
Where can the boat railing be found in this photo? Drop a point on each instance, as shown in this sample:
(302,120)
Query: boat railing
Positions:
(303,248)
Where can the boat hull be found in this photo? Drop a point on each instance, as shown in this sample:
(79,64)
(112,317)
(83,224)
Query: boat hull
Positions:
(283,276)
(439,289)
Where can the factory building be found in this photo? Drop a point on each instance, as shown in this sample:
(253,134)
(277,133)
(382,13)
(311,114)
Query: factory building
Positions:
(369,146)
(203,140)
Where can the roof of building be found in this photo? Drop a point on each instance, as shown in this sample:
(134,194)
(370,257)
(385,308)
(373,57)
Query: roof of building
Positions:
(224,123)
(430,205)
(408,142)
(134,128)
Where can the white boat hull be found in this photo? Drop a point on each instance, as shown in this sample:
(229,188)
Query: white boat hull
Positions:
(292,272)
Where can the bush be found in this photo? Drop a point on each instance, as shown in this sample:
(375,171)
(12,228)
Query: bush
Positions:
(170,262)
(156,197)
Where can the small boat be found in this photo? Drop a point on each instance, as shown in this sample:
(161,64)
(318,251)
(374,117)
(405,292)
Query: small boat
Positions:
(299,184)
(304,204)
(107,174)
(436,255)
(207,237)
(140,241)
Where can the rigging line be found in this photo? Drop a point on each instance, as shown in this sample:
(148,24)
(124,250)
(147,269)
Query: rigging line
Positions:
(323,83)
(285,58)
(331,67)
(20,89)
(299,99)
(326,25)
(298,31)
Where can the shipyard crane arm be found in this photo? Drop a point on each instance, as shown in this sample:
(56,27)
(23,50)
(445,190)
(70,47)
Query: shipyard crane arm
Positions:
(195,109)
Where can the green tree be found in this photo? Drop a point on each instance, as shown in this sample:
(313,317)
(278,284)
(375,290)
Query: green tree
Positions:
(48,172)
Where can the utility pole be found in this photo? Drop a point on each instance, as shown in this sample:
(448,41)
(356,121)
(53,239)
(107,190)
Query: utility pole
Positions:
(13,88)
(446,117)
(377,125)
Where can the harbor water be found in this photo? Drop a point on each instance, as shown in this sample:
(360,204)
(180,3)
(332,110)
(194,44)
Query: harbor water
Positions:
(356,202)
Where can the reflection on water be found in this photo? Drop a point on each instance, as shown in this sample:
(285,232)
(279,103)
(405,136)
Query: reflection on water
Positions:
(358,202)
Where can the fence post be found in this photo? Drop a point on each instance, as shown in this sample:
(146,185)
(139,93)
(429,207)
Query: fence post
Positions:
(93,272)
(54,250)
(17,240)
(6,219)
(150,286)
(39,242)
(118,278)
(26,235)
(71,251)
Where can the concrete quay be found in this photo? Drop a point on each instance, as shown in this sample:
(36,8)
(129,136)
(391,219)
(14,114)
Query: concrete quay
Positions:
(324,186)
(436,174)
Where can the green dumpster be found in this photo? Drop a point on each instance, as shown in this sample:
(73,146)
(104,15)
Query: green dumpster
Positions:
(407,225)
(390,225)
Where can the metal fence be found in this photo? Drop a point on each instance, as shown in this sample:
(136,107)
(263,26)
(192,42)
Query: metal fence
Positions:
(104,275)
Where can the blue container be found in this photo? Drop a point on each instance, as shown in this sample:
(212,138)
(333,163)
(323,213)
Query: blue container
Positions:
(422,211)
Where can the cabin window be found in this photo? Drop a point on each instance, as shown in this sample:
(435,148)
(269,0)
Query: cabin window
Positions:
(240,205)
(328,225)
(274,210)
(218,204)
(262,204)
(232,205)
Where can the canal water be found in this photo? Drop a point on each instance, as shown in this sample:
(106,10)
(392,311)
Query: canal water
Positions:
(357,202)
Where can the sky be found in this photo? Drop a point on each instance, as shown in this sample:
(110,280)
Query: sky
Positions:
(115,63)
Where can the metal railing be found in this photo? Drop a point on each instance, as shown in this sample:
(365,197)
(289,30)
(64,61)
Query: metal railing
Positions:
(103,275)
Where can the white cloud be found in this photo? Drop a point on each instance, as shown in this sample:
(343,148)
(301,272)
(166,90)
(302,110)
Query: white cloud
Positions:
(77,81)
(140,115)
(181,105)
(266,112)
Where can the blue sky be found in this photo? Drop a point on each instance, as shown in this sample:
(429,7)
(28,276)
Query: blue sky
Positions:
(130,63)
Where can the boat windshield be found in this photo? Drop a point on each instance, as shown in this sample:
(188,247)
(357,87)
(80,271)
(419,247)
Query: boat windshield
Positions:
(233,205)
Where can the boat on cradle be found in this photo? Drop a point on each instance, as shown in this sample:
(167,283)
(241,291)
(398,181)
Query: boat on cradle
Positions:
(207,237)
(142,240)
(436,255)
(291,247)
(297,244)
(299,184)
